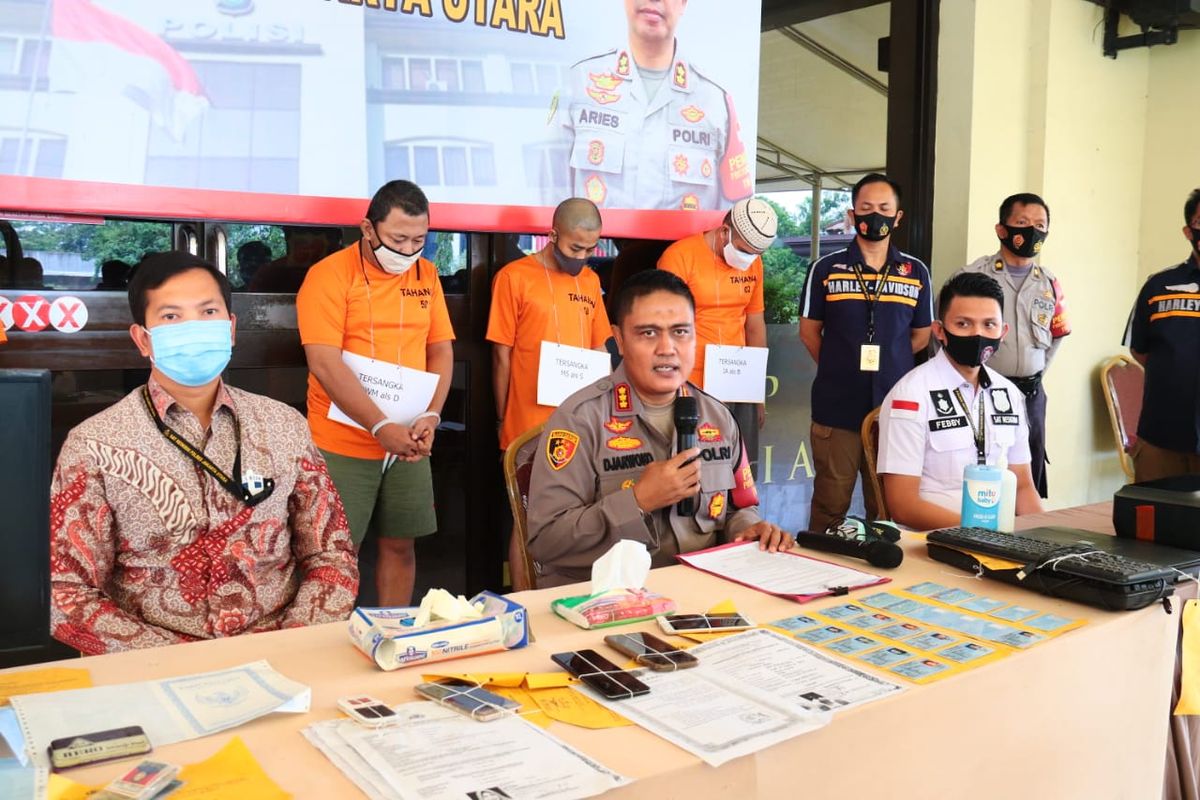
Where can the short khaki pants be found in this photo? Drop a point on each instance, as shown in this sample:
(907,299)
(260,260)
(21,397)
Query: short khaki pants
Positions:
(397,504)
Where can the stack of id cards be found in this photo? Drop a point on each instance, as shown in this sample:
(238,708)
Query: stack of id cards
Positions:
(147,780)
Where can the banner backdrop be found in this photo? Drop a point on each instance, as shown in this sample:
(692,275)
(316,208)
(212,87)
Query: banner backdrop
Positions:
(297,110)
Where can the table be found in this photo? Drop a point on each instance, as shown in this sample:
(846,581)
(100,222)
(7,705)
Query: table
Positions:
(1080,716)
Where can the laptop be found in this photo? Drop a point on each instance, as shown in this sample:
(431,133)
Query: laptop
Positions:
(1184,560)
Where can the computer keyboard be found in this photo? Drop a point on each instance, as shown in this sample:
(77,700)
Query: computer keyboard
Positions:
(1075,560)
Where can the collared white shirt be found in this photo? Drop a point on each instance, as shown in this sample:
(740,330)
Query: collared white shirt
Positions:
(924,430)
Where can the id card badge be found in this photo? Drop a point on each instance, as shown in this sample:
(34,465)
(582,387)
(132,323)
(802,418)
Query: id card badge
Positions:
(868,358)
(564,370)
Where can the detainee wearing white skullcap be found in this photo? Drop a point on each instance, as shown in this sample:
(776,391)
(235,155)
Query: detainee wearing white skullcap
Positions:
(723,268)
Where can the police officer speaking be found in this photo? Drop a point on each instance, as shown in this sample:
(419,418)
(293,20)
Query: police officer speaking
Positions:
(646,128)
(1034,310)
(606,467)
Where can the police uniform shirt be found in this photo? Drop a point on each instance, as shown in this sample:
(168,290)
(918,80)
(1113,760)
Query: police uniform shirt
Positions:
(842,394)
(1036,315)
(592,453)
(678,149)
(924,431)
(1165,326)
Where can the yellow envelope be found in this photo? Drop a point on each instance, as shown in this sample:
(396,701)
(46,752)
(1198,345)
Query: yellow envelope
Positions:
(515,680)
(33,681)
(529,709)
(724,607)
(1189,688)
(567,705)
(232,773)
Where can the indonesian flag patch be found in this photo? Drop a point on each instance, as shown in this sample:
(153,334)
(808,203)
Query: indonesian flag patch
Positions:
(904,409)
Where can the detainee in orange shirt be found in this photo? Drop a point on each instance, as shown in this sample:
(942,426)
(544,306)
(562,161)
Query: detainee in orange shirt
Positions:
(548,296)
(723,269)
(379,299)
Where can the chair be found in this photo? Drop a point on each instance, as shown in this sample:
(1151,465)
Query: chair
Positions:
(516,479)
(870,445)
(1121,379)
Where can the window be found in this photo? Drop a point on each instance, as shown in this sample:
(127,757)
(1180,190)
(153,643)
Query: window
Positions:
(522,79)
(275,258)
(472,72)
(447,75)
(76,256)
(418,74)
(247,140)
(434,164)
(400,73)
(44,153)
(9,46)
(392,73)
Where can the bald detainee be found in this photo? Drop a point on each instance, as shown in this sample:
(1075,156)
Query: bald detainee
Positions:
(548,296)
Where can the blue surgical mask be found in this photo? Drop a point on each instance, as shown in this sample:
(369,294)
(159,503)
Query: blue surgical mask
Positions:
(192,353)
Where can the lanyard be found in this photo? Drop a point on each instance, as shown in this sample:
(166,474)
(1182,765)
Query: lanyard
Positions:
(232,485)
(583,337)
(871,301)
(362,263)
(980,431)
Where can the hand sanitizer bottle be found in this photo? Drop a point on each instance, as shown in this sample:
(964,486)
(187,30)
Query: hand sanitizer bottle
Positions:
(1008,496)
(982,487)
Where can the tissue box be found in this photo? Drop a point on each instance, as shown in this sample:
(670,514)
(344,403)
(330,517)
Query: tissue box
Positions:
(614,607)
(387,637)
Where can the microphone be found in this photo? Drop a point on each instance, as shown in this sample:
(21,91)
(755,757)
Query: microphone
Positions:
(687,417)
(879,552)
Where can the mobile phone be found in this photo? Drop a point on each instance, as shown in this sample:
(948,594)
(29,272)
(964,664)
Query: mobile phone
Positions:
(700,623)
(597,672)
(467,698)
(367,710)
(651,651)
(90,748)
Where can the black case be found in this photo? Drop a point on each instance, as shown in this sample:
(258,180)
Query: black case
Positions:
(1109,596)
(1173,511)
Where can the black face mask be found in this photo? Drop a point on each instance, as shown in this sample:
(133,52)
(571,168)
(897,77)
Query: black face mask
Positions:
(970,351)
(571,266)
(874,227)
(1025,242)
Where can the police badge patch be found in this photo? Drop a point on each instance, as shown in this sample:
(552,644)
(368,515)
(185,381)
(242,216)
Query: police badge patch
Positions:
(1000,400)
(942,403)
(561,447)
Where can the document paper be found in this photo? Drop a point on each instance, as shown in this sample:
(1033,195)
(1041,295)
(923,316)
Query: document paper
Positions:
(434,753)
(785,574)
(168,710)
(751,690)
(401,393)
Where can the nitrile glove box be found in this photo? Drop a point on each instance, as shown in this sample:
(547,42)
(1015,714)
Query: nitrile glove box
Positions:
(387,635)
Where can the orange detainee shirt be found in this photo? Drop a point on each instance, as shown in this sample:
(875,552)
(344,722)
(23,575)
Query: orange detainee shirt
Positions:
(525,295)
(344,298)
(724,296)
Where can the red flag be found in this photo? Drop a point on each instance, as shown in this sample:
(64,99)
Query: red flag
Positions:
(97,49)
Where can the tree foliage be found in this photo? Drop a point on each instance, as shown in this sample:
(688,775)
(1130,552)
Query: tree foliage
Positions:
(119,240)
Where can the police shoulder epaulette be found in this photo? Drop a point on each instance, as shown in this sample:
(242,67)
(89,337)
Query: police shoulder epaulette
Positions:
(586,394)
(605,54)
(700,71)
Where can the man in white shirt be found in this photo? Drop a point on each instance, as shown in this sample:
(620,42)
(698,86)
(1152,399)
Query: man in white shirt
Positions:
(951,412)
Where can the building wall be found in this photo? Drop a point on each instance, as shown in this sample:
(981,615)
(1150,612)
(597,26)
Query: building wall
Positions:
(1028,102)
(1172,159)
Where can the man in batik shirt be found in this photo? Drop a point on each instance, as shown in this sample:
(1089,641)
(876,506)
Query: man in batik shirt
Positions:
(191,509)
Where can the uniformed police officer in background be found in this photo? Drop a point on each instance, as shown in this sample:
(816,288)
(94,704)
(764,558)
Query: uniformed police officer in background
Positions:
(646,128)
(606,467)
(952,412)
(1034,310)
